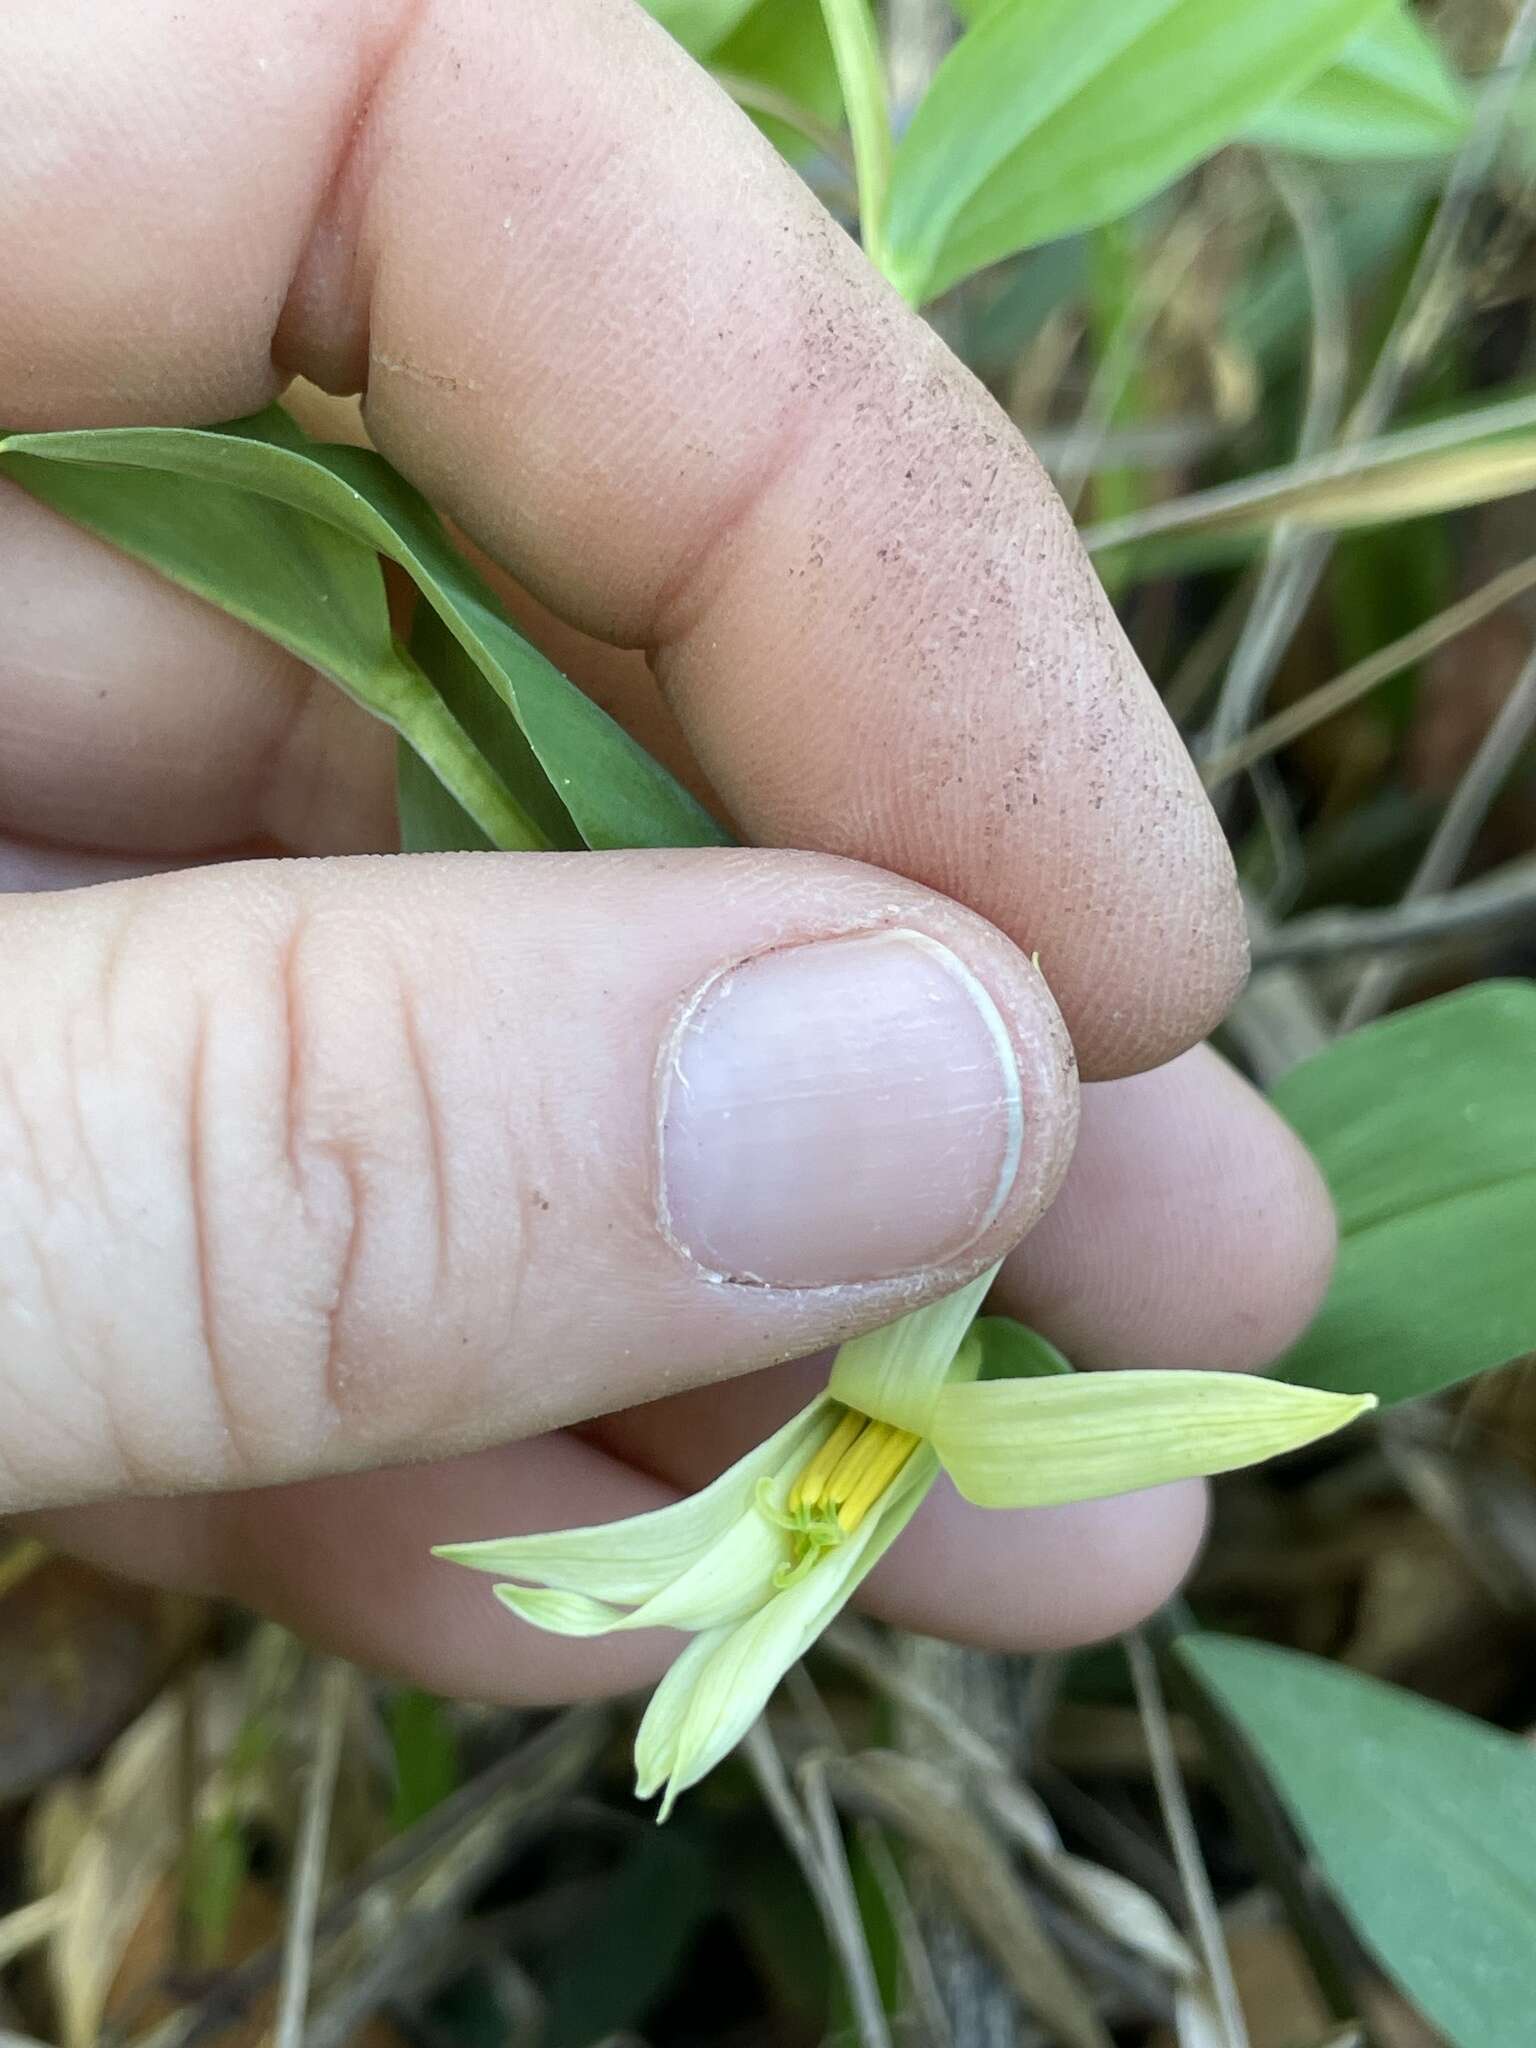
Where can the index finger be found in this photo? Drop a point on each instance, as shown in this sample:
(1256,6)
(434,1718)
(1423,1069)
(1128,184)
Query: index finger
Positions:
(611,334)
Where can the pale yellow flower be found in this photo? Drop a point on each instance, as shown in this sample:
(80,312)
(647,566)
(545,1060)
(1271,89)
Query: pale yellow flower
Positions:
(757,1564)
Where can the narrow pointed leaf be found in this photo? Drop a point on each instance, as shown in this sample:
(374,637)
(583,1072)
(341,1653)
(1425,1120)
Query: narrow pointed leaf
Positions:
(1049,116)
(895,1374)
(1389,94)
(781,47)
(1037,1443)
(1425,1127)
(615,793)
(315,590)
(431,820)
(1421,1820)
(699,25)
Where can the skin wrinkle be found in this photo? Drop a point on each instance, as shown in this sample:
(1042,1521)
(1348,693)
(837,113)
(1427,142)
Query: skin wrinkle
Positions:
(683,597)
(437,1150)
(216,1372)
(344,1186)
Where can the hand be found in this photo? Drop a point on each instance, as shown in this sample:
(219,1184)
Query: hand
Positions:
(316,1167)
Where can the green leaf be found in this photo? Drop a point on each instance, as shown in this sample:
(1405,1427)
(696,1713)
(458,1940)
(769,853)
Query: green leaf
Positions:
(1009,1351)
(700,25)
(1425,1127)
(1421,1819)
(1391,94)
(213,1874)
(295,578)
(614,792)
(608,1972)
(782,45)
(431,821)
(1049,116)
(426,1754)
(860,64)
(1270,307)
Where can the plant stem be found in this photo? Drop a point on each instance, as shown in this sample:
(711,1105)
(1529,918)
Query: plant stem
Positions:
(861,76)
(1504,898)
(426,722)
(304,1898)
(1179,1822)
(1446,854)
(1330,698)
(812,1838)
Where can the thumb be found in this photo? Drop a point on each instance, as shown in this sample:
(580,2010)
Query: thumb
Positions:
(308,1166)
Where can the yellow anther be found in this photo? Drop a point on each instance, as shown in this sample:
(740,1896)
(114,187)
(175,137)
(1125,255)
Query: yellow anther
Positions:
(892,1451)
(853,1464)
(840,1485)
(812,1483)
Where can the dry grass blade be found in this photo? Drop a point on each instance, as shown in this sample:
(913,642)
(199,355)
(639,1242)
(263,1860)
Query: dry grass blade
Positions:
(856,1646)
(1283,587)
(1484,1502)
(917,1963)
(921,1804)
(29,1926)
(420,1943)
(826,1872)
(539,1773)
(1186,1849)
(1109,1902)
(1253,502)
(1197,2018)
(1501,900)
(1084,445)
(1448,850)
(1105,1899)
(1432,298)
(128,1845)
(1357,682)
(1277,1021)
(335,1699)
(1377,485)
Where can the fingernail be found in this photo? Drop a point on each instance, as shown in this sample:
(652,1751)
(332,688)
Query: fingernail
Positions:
(838,1112)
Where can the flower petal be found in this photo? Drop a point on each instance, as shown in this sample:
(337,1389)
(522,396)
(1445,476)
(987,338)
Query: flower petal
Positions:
(722,1681)
(562,1614)
(895,1374)
(1039,1442)
(630,1561)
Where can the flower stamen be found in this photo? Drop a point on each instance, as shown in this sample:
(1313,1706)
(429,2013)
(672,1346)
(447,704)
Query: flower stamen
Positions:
(887,1454)
(812,1483)
(843,1480)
